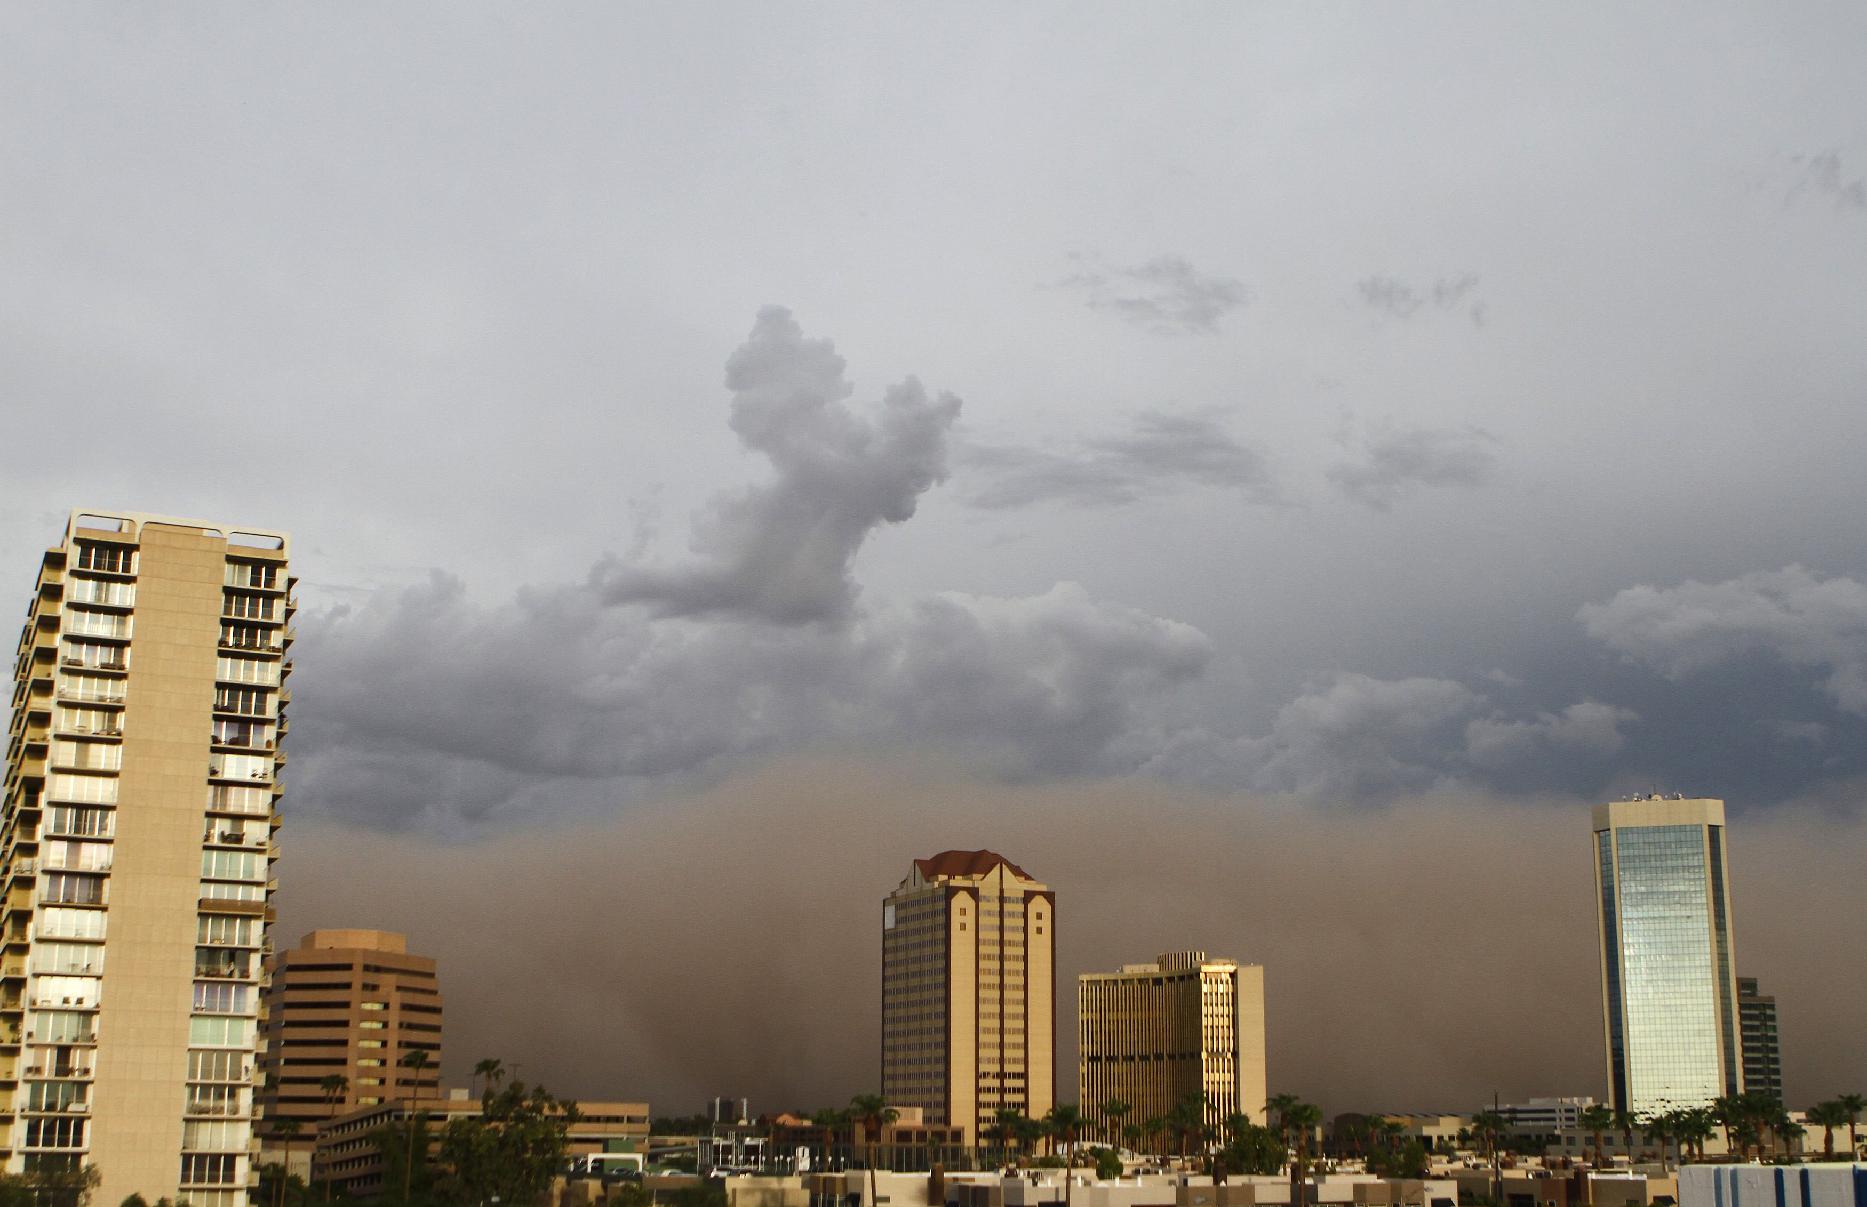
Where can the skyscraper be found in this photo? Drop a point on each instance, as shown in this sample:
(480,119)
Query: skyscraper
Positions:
(1763,1053)
(1154,1035)
(349,1004)
(968,991)
(1669,996)
(136,845)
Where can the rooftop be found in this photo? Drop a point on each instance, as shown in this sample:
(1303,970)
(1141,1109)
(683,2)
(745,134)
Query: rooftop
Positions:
(967,864)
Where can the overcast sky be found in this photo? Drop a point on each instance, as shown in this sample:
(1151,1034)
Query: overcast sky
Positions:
(1334,406)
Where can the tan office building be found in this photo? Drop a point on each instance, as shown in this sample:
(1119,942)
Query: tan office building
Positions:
(348,1005)
(1154,1035)
(969,991)
(136,846)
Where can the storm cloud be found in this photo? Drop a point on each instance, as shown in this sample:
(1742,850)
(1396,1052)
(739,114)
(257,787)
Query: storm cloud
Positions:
(1166,295)
(1387,462)
(1160,451)
(782,551)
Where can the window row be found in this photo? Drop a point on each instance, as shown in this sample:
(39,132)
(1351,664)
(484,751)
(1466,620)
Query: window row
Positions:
(250,637)
(112,559)
(244,606)
(98,591)
(78,719)
(87,756)
(247,670)
(84,823)
(90,789)
(94,655)
(114,625)
(239,798)
(251,734)
(55,1133)
(233,865)
(264,575)
(56,923)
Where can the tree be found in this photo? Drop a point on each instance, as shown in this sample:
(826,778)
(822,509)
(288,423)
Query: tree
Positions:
(513,1150)
(1659,1130)
(1855,1104)
(1828,1116)
(1693,1127)
(873,1113)
(1625,1122)
(1151,1128)
(285,1131)
(415,1060)
(1065,1121)
(1108,1163)
(1253,1150)
(488,1072)
(1113,1112)
(1488,1129)
(1597,1119)
(407,1148)
(1298,1119)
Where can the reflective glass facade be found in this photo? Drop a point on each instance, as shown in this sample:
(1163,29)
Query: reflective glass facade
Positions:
(1668,992)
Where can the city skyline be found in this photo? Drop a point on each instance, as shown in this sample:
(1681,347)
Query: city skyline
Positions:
(1325,447)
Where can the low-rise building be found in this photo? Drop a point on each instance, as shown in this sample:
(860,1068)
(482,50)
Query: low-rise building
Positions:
(1831,1184)
(348,1158)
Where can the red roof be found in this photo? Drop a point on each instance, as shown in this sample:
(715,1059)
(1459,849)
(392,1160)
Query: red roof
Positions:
(966,863)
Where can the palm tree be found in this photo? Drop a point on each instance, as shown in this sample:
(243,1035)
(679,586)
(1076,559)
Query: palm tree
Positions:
(1005,1130)
(1132,1133)
(286,1131)
(1597,1119)
(873,1113)
(1625,1122)
(1151,1128)
(1854,1104)
(489,1071)
(1659,1130)
(1828,1116)
(1299,1119)
(1488,1129)
(1694,1127)
(1065,1121)
(415,1060)
(1113,1112)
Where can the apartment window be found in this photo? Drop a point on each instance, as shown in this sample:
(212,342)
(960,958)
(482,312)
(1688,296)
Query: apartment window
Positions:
(214,1134)
(91,591)
(82,856)
(371,1024)
(88,823)
(220,1032)
(65,990)
(243,733)
(375,1005)
(247,670)
(96,789)
(78,719)
(233,865)
(244,606)
(263,575)
(56,923)
(225,931)
(208,1169)
(111,559)
(58,1027)
(221,890)
(217,1066)
(97,624)
(239,798)
(222,997)
(94,655)
(250,701)
(68,888)
(242,767)
(248,637)
(55,1133)
(54,1095)
(68,957)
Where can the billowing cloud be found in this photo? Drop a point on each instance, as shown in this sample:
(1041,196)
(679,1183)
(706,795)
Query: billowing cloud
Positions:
(562,685)
(1357,736)
(1588,729)
(1161,451)
(1166,295)
(1388,462)
(781,551)
(1788,614)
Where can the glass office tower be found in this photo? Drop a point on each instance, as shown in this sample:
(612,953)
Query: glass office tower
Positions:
(1669,996)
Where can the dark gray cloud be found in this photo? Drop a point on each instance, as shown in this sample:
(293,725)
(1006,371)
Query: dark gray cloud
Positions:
(781,551)
(1587,729)
(563,685)
(1161,451)
(1387,462)
(1790,615)
(1400,299)
(1166,295)
(1824,178)
(782,869)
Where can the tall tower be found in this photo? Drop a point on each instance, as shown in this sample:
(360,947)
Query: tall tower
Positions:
(349,1005)
(1154,1035)
(969,991)
(1669,996)
(136,847)
(1763,1051)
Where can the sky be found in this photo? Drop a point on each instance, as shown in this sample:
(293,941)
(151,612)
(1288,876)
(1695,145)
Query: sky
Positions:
(1398,426)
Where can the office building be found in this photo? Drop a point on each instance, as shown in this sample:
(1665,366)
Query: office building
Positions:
(968,991)
(1763,1053)
(1154,1035)
(136,846)
(1669,996)
(343,1012)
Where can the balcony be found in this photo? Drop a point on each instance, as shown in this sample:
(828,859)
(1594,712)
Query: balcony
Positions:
(108,664)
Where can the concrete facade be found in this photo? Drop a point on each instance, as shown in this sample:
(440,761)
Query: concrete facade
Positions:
(351,1004)
(969,991)
(1153,1035)
(136,837)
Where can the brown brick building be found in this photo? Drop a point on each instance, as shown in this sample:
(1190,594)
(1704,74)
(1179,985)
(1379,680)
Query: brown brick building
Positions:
(350,1004)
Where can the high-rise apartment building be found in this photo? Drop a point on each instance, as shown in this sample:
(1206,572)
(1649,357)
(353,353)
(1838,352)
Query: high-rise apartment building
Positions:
(969,991)
(1763,1052)
(1669,996)
(343,1013)
(1154,1035)
(136,847)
